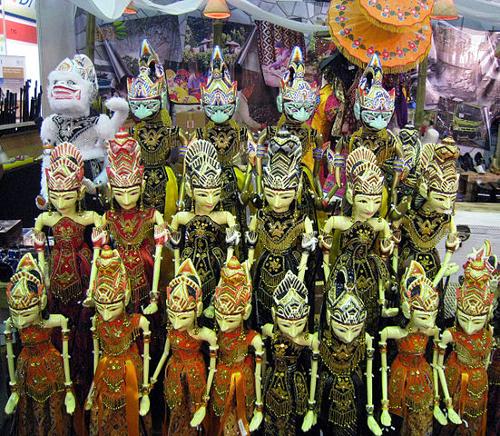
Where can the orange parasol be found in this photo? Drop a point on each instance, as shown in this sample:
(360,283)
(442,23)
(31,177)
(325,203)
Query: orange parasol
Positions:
(358,38)
(396,15)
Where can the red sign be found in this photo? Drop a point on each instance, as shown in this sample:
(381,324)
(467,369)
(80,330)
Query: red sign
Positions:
(19,31)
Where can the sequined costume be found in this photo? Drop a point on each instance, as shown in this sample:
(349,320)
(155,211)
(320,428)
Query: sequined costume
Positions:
(233,392)
(230,141)
(185,382)
(357,256)
(411,391)
(204,242)
(421,232)
(467,379)
(132,233)
(286,389)
(40,378)
(278,250)
(115,409)
(157,141)
(341,389)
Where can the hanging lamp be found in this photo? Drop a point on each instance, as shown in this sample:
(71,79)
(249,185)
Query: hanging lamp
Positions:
(444,10)
(217,9)
(131,9)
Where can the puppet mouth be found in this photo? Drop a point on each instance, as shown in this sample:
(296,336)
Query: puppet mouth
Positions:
(60,92)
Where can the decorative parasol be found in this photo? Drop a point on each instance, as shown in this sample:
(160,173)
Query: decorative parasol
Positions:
(396,15)
(359,38)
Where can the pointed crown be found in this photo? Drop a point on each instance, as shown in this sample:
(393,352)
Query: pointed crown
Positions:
(475,296)
(417,289)
(363,174)
(111,283)
(83,67)
(282,169)
(65,170)
(294,87)
(203,169)
(150,82)
(233,293)
(219,90)
(124,161)
(291,298)
(184,290)
(26,286)
(370,94)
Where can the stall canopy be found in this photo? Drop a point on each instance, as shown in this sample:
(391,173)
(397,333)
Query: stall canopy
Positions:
(303,16)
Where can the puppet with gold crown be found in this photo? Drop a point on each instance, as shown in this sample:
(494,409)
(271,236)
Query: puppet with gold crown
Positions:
(280,236)
(412,389)
(365,238)
(121,376)
(186,384)
(346,352)
(465,371)
(428,218)
(297,102)
(69,266)
(153,130)
(138,232)
(236,393)
(373,108)
(289,390)
(219,100)
(204,234)
(39,379)
(72,89)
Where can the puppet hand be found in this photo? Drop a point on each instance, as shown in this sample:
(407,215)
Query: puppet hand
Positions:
(453,416)
(439,415)
(69,402)
(144,407)
(209,312)
(309,421)
(11,405)
(451,268)
(150,309)
(198,416)
(385,418)
(256,420)
(373,426)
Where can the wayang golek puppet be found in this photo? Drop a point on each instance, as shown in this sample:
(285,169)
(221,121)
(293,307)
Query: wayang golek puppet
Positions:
(68,270)
(121,376)
(138,233)
(219,100)
(40,382)
(373,108)
(297,101)
(346,351)
(289,390)
(236,393)
(464,375)
(205,235)
(424,220)
(412,390)
(280,236)
(186,384)
(365,238)
(71,90)
(160,142)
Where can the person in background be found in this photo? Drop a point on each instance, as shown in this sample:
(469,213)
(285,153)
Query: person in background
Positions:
(242,114)
(431,135)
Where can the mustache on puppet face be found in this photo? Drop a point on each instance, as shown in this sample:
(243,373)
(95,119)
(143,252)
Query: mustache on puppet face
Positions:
(61,92)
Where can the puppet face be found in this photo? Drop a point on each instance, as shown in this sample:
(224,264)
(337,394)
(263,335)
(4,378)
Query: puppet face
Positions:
(279,200)
(110,311)
(291,328)
(143,108)
(64,201)
(299,111)
(471,324)
(345,332)
(26,317)
(220,114)
(206,199)
(182,320)
(365,206)
(423,319)
(228,323)
(69,93)
(441,202)
(128,197)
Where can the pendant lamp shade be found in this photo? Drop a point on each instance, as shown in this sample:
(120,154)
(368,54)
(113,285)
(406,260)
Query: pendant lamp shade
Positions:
(131,9)
(444,10)
(216,9)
